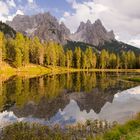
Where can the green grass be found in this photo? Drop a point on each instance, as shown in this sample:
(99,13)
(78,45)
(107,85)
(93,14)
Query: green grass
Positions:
(6,71)
(133,135)
(135,79)
(26,131)
(127,131)
(123,131)
(32,70)
(90,131)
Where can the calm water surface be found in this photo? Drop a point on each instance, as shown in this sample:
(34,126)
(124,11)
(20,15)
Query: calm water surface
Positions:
(69,98)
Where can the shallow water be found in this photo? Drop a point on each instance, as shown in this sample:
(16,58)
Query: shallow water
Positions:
(69,98)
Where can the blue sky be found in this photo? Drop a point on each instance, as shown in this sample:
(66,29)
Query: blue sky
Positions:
(115,15)
(30,7)
(56,7)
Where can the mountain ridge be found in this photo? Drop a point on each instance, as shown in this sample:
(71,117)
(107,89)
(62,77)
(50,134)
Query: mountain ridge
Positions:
(94,34)
(47,28)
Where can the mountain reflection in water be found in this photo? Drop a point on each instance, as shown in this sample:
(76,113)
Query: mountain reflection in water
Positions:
(69,98)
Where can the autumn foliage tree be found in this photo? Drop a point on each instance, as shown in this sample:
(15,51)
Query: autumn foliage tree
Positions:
(1,46)
(22,50)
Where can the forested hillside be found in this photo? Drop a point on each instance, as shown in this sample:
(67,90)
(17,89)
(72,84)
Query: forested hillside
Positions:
(21,51)
(7,30)
(112,47)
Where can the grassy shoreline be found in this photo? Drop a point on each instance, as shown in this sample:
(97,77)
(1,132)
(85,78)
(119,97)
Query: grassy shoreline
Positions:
(32,70)
(133,79)
(91,130)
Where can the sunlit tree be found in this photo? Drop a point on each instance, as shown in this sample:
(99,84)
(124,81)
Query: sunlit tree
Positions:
(1,46)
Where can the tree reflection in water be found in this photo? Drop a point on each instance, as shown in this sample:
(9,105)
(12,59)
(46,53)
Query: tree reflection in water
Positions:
(43,96)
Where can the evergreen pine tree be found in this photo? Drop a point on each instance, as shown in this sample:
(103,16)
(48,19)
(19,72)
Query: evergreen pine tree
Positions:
(77,58)
(1,46)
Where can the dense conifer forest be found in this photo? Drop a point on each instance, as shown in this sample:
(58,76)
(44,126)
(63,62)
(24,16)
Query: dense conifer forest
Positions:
(21,51)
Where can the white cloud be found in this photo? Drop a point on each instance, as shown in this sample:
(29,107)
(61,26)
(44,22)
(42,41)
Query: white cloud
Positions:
(18,12)
(11,3)
(4,11)
(123,16)
(31,8)
(83,12)
(9,9)
(30,1)
(66,14)
(135,42)
(3,8)
(6,7)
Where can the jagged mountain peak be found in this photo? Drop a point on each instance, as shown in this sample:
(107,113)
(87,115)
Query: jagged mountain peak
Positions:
(43,25)
(47,27)
(81,26)
(98,22)
(94,34)
(88,22)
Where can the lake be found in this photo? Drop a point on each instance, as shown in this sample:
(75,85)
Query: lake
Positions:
(69,98)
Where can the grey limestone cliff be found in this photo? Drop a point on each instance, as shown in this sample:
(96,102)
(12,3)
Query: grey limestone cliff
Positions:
(44,26)
(94,34)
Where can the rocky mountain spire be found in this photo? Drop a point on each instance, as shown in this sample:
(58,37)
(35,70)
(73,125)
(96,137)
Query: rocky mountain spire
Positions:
(94,34)
(47,28)
(43,25)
